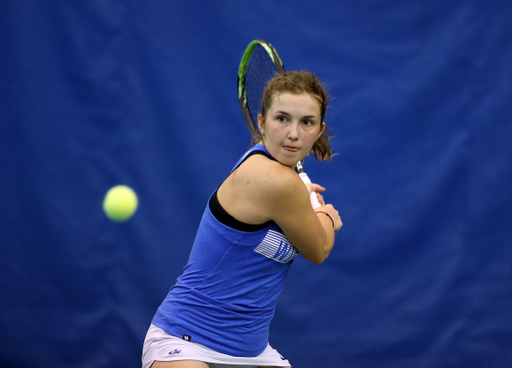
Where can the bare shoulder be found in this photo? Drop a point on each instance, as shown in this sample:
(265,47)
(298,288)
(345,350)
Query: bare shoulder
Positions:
(271,177)
(275,186)
(262,189)
(256,188)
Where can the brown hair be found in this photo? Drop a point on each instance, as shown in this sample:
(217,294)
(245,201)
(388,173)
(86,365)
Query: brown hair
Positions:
(297,82)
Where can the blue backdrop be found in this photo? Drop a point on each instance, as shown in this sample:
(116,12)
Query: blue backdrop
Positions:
(98,93)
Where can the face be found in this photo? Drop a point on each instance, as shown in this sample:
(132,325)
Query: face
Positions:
(291,127)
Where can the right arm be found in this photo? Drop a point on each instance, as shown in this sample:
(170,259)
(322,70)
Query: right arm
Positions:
(260,190)
(310,230)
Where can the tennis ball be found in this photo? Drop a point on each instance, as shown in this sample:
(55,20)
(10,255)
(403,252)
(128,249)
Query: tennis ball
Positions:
(120,203)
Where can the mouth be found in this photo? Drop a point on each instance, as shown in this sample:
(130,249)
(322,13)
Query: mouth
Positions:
(290,148)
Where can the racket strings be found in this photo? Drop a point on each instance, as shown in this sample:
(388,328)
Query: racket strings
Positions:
(260,70)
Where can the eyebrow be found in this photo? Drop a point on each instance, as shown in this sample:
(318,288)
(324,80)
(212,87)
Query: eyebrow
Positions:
(287,114)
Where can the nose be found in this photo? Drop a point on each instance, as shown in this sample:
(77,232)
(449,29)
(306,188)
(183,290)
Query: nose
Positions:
(293,133)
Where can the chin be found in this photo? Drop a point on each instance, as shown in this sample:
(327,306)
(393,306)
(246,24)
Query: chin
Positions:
(289,159)
(289,162)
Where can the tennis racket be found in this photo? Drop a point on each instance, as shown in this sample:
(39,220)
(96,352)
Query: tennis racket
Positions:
(260,63)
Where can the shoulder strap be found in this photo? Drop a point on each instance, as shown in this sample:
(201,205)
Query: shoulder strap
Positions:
(257,149)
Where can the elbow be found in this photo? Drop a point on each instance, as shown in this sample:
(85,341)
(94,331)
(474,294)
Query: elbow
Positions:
(318,254)
(318,258)
(321,254)
(317,261)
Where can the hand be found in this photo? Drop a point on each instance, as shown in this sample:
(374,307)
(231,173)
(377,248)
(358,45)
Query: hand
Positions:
(334,215)
(316,188)
(320,198)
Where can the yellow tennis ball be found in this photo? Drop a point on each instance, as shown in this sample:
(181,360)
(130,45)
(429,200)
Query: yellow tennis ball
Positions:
(120,203)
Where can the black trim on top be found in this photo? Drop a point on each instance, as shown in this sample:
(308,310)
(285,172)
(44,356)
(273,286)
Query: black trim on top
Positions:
(225,218)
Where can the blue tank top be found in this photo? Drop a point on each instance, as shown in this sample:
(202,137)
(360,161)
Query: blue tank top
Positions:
(226,297)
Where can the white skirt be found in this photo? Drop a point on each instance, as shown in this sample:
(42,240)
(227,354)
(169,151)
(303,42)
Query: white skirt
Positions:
(160,346)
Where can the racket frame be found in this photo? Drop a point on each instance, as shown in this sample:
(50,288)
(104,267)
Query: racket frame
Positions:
(242,92)
(244,104)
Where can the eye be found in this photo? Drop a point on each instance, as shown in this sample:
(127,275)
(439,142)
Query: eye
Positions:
(282,118)
(307,122)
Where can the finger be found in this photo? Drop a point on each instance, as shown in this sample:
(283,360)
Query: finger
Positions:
(316,188)
(320,199)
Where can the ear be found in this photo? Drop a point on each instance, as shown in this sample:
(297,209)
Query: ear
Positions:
(322,129)
(261,123)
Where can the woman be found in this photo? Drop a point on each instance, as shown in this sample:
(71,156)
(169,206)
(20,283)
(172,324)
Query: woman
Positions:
(219,311)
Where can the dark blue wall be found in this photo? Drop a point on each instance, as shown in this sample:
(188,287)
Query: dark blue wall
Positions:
(99,93)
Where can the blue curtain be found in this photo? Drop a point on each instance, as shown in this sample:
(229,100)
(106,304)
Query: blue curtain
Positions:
(99,93)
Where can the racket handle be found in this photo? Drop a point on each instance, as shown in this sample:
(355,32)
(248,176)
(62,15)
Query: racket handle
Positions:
(312,197)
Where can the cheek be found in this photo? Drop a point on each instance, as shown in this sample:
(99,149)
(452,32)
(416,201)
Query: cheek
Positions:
(319,134)
(314,134)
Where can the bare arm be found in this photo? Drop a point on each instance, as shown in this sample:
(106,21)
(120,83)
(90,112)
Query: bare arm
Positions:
(261,190)
(310,231)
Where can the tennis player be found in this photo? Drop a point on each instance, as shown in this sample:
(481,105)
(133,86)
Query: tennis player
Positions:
(219,311)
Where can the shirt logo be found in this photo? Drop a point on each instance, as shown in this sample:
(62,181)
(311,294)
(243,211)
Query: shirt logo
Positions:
(187,338)
(275,246)
(174,352)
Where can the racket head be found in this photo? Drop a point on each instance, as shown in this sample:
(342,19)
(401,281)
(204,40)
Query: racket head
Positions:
(260,63)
